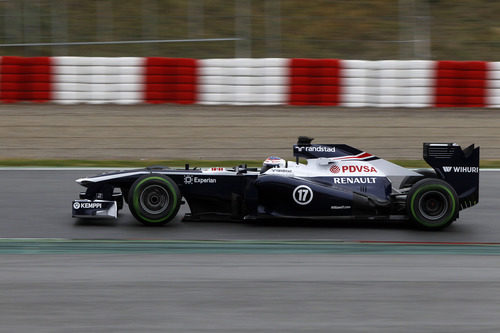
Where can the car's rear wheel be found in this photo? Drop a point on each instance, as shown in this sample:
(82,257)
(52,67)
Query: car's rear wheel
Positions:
(432,204)
(154,199)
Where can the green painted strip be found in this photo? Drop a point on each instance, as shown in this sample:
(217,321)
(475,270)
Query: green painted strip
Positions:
(61,246)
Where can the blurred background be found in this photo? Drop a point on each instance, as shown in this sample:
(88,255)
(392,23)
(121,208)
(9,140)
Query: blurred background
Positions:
(345,29)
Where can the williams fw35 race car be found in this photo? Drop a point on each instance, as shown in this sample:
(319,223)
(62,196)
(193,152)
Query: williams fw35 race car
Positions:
(337,181)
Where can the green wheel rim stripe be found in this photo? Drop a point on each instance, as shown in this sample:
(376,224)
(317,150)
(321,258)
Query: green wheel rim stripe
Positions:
(432,187)
(136,199)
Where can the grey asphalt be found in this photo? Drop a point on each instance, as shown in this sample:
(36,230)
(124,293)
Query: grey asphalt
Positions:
(249,293)
(217,292)
(38,204)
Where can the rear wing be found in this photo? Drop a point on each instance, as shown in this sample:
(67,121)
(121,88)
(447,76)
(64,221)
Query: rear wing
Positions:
(459,168)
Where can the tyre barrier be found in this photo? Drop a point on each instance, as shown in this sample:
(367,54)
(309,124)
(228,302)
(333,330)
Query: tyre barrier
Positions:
(248,81)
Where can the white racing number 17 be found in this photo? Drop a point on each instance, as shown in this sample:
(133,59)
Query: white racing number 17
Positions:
(302,194)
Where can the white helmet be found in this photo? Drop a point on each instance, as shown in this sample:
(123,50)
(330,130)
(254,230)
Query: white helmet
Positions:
(272,162)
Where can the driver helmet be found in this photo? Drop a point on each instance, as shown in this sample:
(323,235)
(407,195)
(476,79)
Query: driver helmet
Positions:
(272,162)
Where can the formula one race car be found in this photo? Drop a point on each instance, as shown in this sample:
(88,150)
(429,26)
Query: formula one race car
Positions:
(338,181)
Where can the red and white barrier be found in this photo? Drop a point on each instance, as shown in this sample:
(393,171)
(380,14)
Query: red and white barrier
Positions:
(97,80)
(25,79)
(493,85)
(241,81)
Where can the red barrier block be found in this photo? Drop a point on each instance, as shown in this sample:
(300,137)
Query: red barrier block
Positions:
(314,81)
(165,78)
(460,83)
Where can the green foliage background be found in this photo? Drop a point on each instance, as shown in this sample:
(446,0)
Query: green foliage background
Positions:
(347,29)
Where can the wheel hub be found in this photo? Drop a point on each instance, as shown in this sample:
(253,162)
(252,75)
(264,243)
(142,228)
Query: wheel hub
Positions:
(433,205)
(154,199)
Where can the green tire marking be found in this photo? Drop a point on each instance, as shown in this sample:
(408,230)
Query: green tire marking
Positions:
(435,186)
(136,199)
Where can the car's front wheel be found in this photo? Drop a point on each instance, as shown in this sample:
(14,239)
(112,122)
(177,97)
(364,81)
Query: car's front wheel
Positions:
(432,204)
(154,199)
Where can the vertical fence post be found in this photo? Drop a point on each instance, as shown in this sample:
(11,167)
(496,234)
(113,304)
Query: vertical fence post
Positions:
(414,29)
(195,18)
(273,28)
(422,30)
(59,26)
(405,11)
(31,15)
(243,28)
(149,26)
(104,26)
(13,22)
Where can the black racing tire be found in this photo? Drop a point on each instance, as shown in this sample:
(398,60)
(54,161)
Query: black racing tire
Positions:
(154,199)
(409,181)
(432,204)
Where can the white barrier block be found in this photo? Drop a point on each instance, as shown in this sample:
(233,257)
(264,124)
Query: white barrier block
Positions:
(354,105)
(355,72)
(64,95)
(387,64)
(274,99)
(66,101)
(226,71)
(276,80)
(420,73)
(355,90)
(276,62)
(128,87)
(66,78)
(97,79)
(216,79)
(493,75)
(493,97)
(354,81)
(210,71)
(66,70)
(100,88)
(389,82)
(493,92)
(131,61)
(422,100)
(388,100)
(127,101)
(384,90)
(64,61)
(65,86)
(128,70)
(272,90)
(209,89)
(417,82)
(494,66)
(215,62)
(239,62)
(420,91)
(126,95)
(84,61)
(353,98)
(391,73)
(243,90)
(243,80)
(276,71)
(356,64)
(243,71)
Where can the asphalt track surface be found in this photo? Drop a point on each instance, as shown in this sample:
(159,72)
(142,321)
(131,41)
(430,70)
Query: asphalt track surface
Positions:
(37,204)
(355,289)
